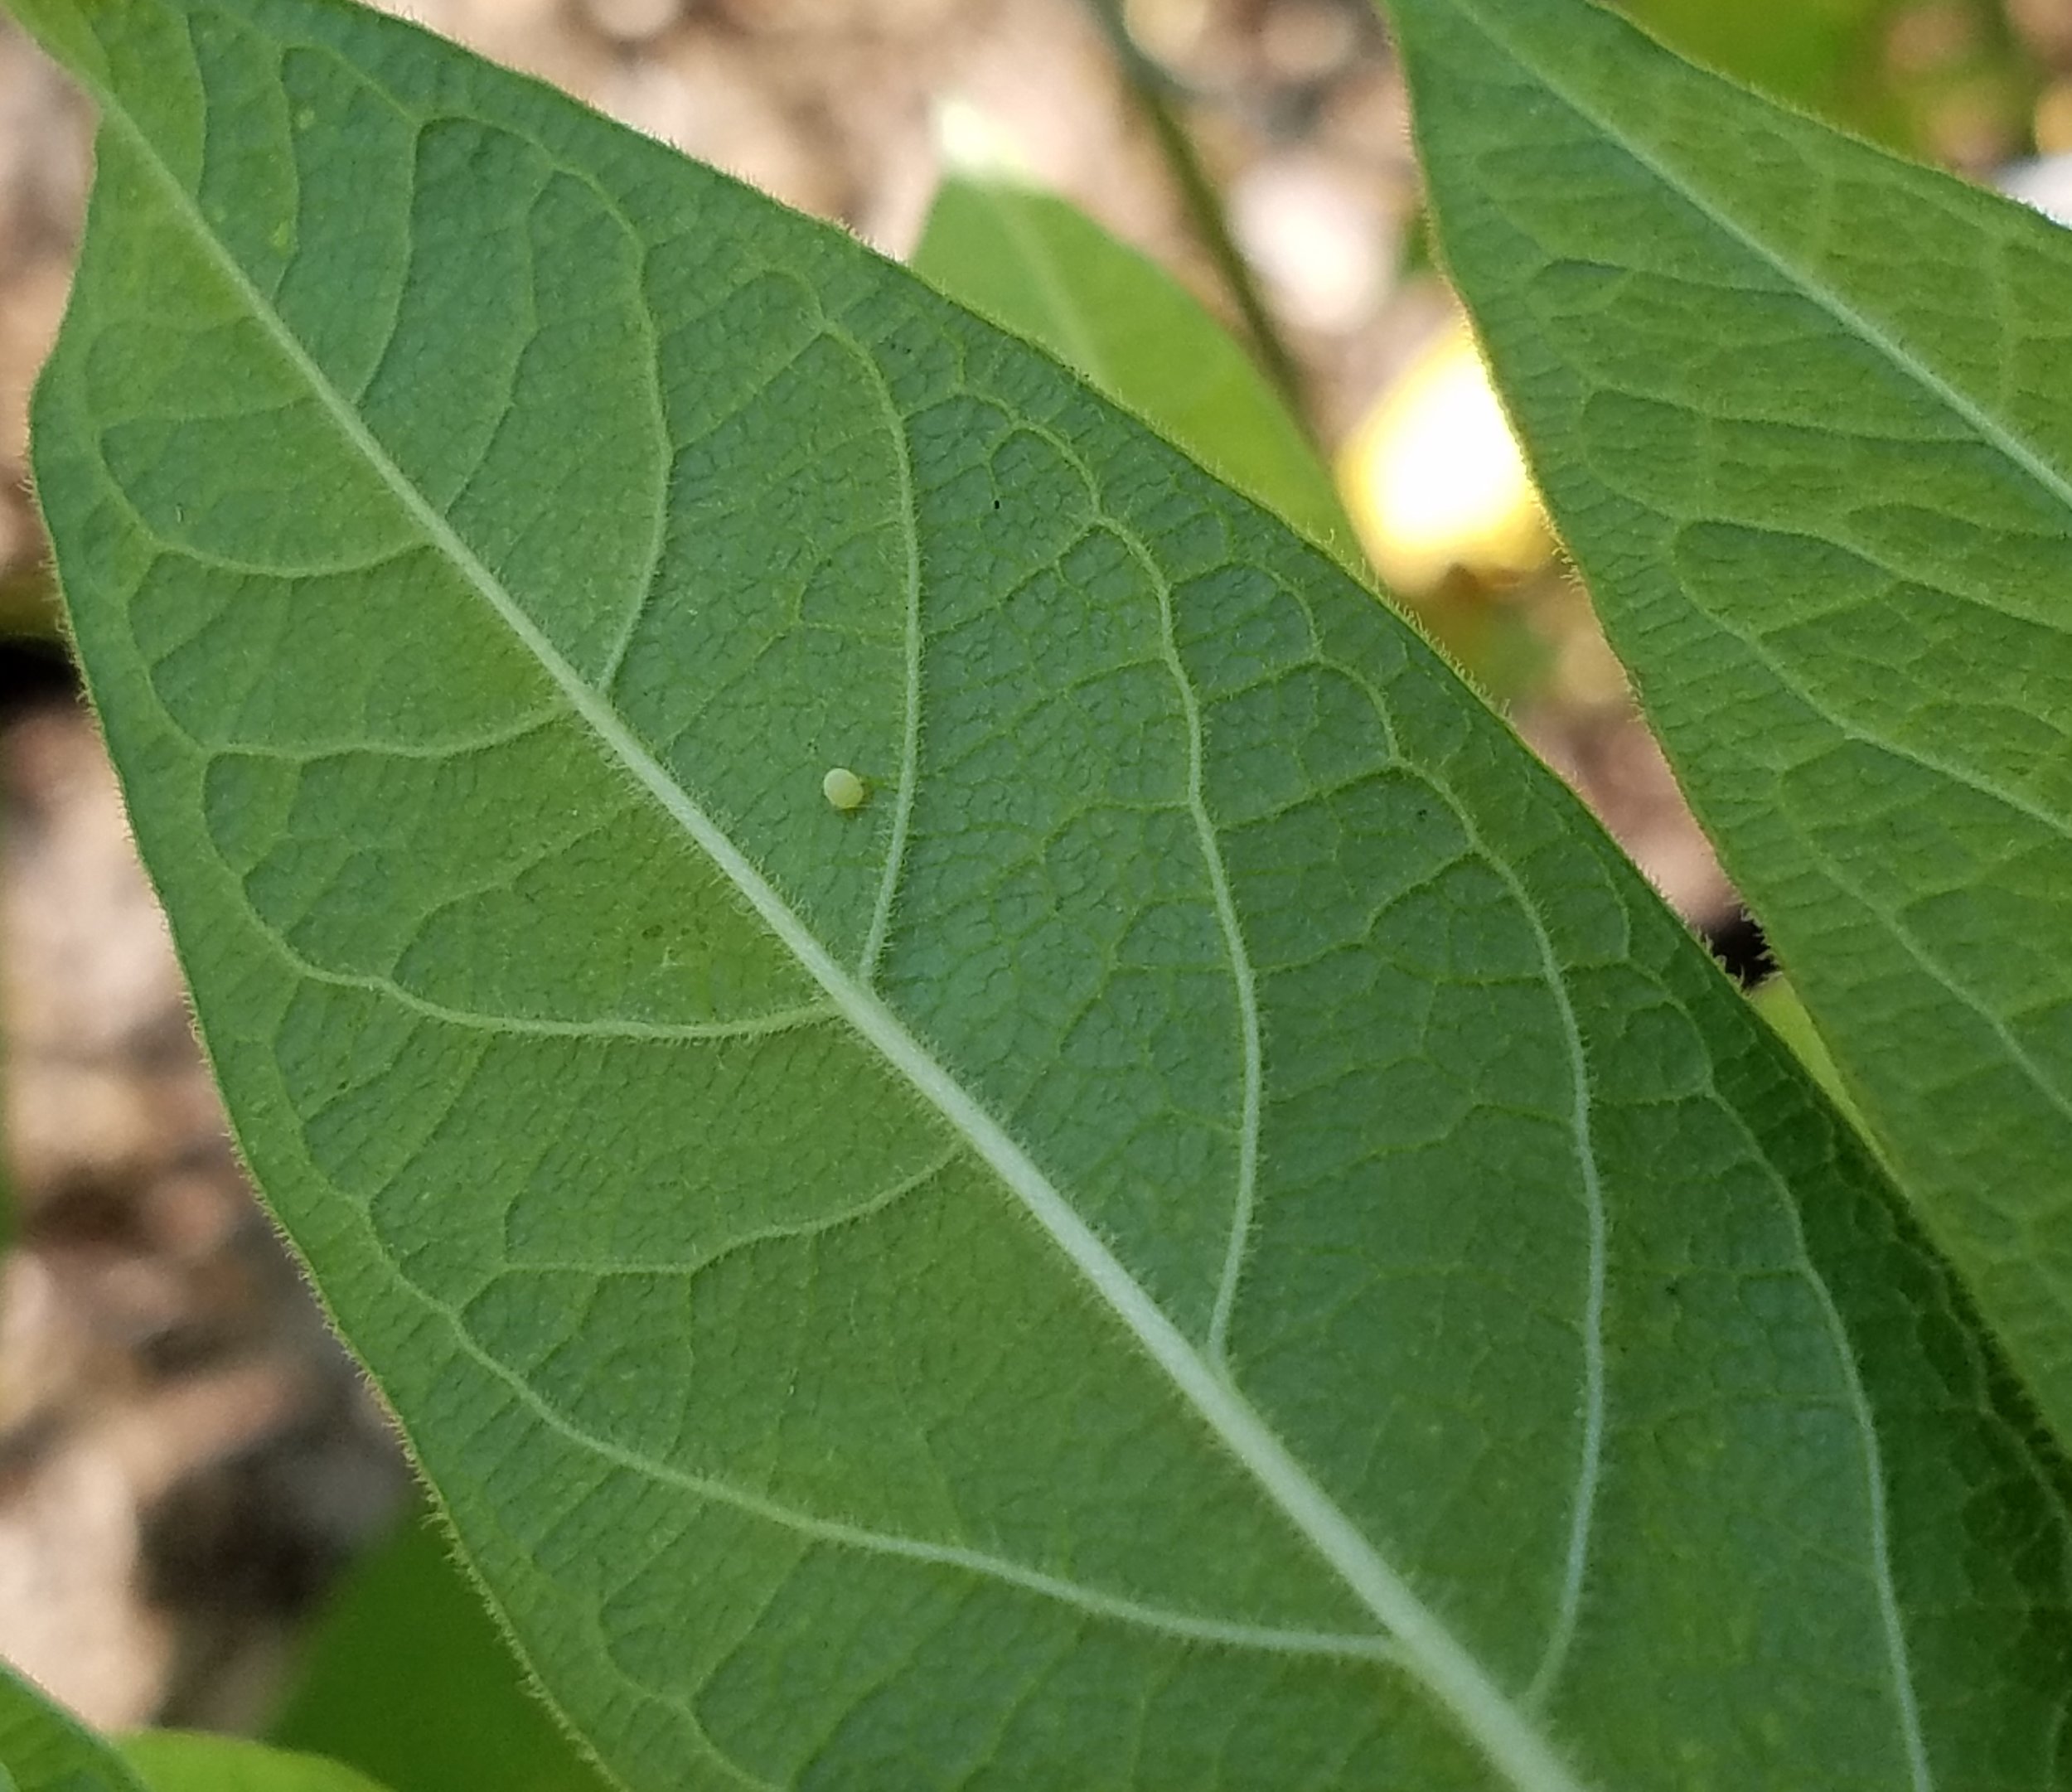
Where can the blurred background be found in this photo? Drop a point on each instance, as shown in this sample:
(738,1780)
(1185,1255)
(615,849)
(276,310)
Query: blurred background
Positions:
(204,1518)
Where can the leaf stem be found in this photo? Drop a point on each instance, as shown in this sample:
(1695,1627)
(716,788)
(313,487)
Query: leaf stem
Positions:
(1148,86)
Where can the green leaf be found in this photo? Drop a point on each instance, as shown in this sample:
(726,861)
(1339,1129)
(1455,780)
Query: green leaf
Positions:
(1779,1004)
(1826,55)
(46,1749)
(172,1760)
(1042,268)
(1804,415)
(408,1681)
(1211,1231)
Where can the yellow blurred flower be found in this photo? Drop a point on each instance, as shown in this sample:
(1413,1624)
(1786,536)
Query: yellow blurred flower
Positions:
(1434,478)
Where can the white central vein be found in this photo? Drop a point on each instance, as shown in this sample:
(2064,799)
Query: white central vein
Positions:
(1451,1675)
(1161,1620)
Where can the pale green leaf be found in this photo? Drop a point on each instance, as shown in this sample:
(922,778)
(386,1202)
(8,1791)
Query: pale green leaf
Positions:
(1211,1232)
(407,1679)
(1826,55)
(1043,269)
(174,1760)
(1804,415)
(1779,1004)
(43,1748)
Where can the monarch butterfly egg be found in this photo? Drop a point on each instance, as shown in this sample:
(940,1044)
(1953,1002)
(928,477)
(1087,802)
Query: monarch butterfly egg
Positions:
(843,789)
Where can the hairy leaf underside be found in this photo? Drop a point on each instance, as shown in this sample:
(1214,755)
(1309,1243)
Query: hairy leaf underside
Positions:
(1804,413)
(1211,1234)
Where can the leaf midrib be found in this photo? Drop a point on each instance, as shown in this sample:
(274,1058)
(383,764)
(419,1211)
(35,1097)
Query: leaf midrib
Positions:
(1451,1674)
(1167,1621)
(1995,433)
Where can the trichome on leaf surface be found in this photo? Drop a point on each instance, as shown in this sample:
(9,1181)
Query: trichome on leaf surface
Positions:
(1213,1232)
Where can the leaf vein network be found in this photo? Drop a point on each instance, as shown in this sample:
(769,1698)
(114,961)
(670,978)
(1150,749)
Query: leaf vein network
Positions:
(1437,1660)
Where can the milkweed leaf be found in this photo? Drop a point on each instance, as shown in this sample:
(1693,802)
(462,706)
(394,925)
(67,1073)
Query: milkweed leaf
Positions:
(1212,1233)
(1804,414)
(44,1748)
(1036,264)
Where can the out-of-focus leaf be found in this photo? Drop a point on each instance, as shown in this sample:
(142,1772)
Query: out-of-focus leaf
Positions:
(1042,268)
(1941,78)
(43,1748)
(408,1680)
(29,607)
(175,1760)
(1823,55)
